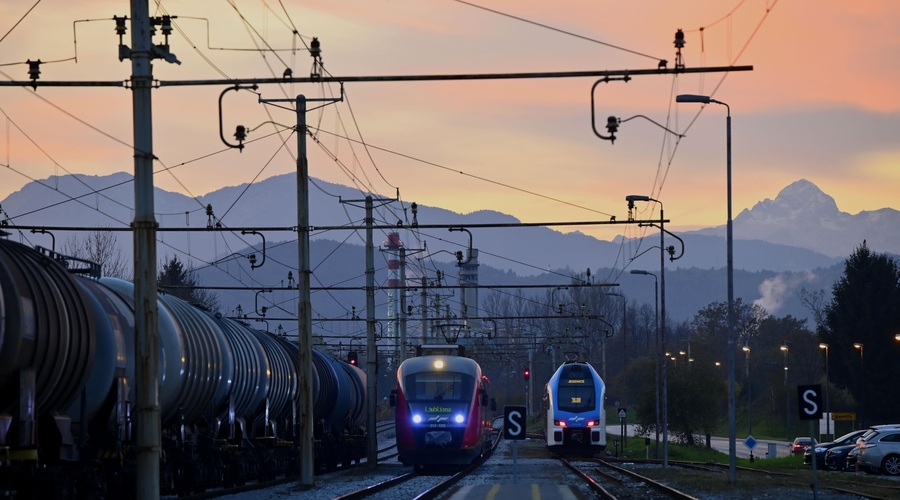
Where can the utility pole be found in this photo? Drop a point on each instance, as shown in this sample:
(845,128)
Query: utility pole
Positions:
(402,292)
(304,308)
(148,440)
(371,348)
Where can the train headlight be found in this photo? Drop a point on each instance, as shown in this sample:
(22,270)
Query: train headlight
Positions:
(459,418)
(591,423)
(417,419)
(560,423)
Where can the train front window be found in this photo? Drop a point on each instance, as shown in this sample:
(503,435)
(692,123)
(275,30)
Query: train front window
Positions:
(576,390)
(575,398)
(439,386)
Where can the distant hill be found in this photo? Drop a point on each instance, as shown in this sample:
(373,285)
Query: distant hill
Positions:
(797,240)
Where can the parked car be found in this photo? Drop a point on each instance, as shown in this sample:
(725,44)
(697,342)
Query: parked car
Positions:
(879,451)
(820,449)
(801,444)
(852,458)
(845,457)
(836,458)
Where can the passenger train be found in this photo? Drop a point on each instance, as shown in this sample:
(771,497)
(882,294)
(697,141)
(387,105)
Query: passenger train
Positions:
(227,392)
(441,409)
(575,417)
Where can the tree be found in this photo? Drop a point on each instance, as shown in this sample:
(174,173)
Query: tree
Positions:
(100,247)
(711,323)
(181,282)
(865,310)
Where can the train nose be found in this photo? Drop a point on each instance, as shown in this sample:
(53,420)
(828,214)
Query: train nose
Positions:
(438,439)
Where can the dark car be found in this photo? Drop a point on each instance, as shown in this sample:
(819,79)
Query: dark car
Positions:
(836,457)
(852,458)
(801,444)
(821,448)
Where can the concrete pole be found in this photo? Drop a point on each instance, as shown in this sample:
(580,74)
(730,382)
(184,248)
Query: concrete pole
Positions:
(424,309)
(304,307)
(147,413)
(662,330)
(402,292)
(371,349)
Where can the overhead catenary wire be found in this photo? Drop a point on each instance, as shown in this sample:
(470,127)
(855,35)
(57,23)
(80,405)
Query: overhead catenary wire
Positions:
(417,232)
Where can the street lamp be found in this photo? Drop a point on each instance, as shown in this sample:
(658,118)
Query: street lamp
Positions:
(746,349)
(662,315)
(624,342)
(656,355)
(862,384)
(732,448)
(787,397)
(823,345)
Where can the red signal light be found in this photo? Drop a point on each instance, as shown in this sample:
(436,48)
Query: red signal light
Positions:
(352,358)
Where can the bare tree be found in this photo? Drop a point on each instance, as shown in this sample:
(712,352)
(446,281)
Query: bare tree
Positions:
(101,247)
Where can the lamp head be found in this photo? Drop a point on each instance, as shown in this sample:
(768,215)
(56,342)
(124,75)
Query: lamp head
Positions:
(703,99)
(631,198)
(639,271)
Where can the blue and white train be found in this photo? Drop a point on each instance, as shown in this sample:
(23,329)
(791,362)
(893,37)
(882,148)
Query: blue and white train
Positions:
(573,400)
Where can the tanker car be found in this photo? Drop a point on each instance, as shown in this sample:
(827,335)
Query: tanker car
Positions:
(227,392)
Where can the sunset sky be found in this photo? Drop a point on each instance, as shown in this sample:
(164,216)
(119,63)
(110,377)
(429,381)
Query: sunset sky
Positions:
(822,102)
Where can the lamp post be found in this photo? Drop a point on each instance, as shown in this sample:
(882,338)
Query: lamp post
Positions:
(787,400)
(732,448)
(862,384)
(827,410)
(662,316)
(746,349)
(624,344)
(656,355)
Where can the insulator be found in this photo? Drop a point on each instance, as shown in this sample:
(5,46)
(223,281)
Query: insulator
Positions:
(612,124)
(34,69)
(679,39)
(120,25)
(166,25)
(240,133)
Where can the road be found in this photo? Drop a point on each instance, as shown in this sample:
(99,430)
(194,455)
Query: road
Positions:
(720,443)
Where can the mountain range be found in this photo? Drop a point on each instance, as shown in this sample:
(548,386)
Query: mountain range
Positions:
(797,240)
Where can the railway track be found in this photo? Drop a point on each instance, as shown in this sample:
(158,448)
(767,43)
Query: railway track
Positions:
(611,481)
(426,488)
(384,430)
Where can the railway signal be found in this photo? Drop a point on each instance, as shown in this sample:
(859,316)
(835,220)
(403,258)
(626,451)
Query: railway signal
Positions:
(353,358)
(527,374)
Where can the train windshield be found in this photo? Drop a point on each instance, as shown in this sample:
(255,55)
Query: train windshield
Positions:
(439,386)
(576,390)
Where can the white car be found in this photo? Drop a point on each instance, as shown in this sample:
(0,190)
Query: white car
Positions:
(879,451)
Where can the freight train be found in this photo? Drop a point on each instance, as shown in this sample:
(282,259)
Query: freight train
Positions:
(441,409)
(228,393)
(574,410)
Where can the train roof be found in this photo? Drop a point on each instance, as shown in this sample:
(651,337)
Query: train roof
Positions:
(457,364)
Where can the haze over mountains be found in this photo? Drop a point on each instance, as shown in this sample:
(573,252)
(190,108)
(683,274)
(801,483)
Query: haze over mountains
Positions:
(798,239)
